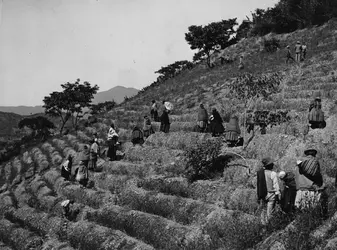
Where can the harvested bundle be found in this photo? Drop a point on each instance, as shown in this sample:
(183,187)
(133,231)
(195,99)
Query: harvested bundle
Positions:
(18,237)
(40,159)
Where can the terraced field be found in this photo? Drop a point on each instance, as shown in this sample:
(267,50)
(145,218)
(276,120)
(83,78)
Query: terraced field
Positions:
(144,201)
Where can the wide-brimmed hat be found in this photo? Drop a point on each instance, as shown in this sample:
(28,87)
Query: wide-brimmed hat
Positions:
(168,105)
(281,174)
(65,203)
(310,150)
(298,41)
(217,47)
(267,161)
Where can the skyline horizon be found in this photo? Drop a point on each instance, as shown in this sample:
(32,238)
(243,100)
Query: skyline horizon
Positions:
(108,43)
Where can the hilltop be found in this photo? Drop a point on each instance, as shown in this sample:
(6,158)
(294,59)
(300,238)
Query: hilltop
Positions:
(116,93)
(145,201)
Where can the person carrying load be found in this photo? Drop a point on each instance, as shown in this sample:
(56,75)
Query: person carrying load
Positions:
(316,115)
(202,118)
(232,132)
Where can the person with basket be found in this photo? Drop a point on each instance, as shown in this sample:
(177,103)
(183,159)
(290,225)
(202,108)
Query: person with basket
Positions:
(112,143)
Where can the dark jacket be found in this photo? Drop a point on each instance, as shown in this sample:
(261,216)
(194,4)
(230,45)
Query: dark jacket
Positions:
(165,118)
(202,114)
(289,180)
(261,185)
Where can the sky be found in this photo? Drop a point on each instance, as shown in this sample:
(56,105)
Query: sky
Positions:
(44,43)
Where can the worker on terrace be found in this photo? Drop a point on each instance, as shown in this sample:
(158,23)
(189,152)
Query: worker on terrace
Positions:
(288,191)
(232,132)
(94,153)
(154,111)
(202,118)
(69,211)
(241,65)
(82,175)
(316,115)
(216,126)
(147,127)
(66,168)
(112,143)
(309,181)
(165,120)
(304,51)
(298,51)
(289,55)
(268,190)
(137,136)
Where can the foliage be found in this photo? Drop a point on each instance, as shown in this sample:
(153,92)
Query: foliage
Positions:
(248,86)
(243,29)
(205,38)
(173,69)
(102,107)
(289,15)
(70,102)
(202,160)
(40,125)
(271,45)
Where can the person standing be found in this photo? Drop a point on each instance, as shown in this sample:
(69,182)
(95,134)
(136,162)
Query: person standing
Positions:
(304,51)
(66,168)
(202,118)
(309,181)
(288,193)
(112,142)
(216,125)
(94,153)
(154,111)
(289,55)
(165,121)
(147,127)
(232,131)
(82,175)
(298,51)
(268,190)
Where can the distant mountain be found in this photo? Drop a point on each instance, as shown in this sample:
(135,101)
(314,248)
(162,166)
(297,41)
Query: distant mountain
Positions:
(117,94)
(22,110)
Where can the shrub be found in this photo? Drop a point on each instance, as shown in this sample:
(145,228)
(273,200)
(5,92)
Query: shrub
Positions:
(202,161)
(271,45)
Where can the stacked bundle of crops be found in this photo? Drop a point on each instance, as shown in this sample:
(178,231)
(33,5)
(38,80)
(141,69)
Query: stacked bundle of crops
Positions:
(176,140)
(55,156)
(40,159)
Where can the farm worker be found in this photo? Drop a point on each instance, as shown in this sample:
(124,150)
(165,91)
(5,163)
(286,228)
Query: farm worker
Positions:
(216,125)
(289,54)
(232,131)
(241,66)
(94,153)
(137,136)
(202,118)
(154,111)
(309,183)
(112,142)
(304,51)
(298,51)
(316,115)
(268,190)
(82,175)
(66,168)
(288,192)
(69,211)
(147,127)
(164,119)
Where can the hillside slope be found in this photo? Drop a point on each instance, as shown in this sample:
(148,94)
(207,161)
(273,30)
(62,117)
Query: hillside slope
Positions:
(145,201)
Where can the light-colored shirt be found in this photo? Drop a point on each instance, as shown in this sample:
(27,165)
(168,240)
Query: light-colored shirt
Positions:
(272,181)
